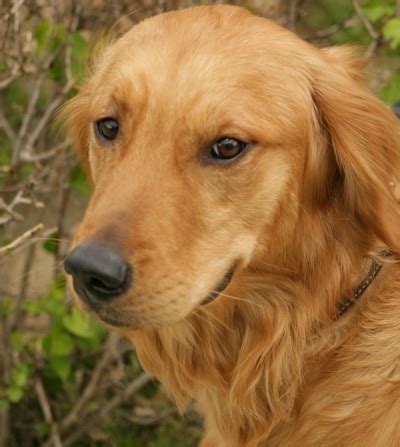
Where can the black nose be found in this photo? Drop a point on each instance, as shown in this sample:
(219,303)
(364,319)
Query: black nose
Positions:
(99,272)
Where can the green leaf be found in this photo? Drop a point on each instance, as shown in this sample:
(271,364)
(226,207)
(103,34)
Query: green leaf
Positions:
(49,35)
(42,33)
(56,70)
(376,12)
(7,305)
(16,94)
(52,303)
(79,182)
(42,429)
(58,343)
(4,404)
(16,341)
(20,375)
(61,366)
(15,394)
(3,65)
(51,244)
(391,31)
(354,34)
(391,92)
(78,54)
(5,149)
(80,324)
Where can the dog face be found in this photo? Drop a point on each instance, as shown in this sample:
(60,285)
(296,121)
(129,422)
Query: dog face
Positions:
(200,133)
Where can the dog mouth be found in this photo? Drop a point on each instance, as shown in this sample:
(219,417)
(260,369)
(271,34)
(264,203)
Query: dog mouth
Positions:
(115,318)
(214,294)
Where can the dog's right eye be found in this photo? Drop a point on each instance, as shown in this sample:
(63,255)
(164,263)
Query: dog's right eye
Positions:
(107,128)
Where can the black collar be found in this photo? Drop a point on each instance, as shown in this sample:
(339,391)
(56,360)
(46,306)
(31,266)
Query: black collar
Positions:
(374,269)
(347,302)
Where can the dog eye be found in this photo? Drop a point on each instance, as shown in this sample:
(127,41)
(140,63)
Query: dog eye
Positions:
(227,149)
(107,128)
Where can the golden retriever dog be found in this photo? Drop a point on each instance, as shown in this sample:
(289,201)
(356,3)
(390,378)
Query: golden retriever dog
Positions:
(244,225)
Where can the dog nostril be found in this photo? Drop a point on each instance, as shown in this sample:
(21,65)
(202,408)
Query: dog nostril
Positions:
(103,287)
(98,271)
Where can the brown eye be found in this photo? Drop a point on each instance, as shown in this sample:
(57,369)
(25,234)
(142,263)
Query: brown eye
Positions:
(227,149)
(107,128)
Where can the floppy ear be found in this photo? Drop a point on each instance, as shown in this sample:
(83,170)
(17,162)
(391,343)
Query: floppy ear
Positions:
(356,152)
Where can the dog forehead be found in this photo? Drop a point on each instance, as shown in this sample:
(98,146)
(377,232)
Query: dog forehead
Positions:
(205,40)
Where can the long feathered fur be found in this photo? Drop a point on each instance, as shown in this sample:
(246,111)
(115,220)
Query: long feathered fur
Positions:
(266,362)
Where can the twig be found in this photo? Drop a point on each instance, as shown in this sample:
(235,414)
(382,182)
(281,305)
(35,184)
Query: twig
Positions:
(5,353)
(17,242)
(294,6)
(46,117)
(132,388)
(5,125)
(9,209)
(326,32)
(48,417)
(57,101)
(43,156)
(75,414)
(31,108)
(14,318)
(4,83)
(63,200)
(376,37)
(18,199)
(365,20)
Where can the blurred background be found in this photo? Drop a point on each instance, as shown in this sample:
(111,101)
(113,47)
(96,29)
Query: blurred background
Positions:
(65,381)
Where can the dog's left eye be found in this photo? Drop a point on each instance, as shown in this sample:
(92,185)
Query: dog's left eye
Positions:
(107,128)
(227,149)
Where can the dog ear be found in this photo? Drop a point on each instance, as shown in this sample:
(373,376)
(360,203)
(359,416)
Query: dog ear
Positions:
(355,154)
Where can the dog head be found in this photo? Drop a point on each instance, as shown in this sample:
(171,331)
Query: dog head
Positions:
(205,134)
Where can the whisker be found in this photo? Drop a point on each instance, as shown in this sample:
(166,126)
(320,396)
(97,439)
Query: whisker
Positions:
(25,245)
(35,272)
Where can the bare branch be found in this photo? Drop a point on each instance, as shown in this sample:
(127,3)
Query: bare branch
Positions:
(5,125)
(52,107)
(17,242)
(46,409)
(43,156)
(376,37)
(109,352)
(129,391)
(31,108)
(7,81)
(294,6)
(365,20)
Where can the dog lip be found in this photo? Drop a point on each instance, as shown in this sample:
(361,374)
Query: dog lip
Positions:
(118,322)
(85,297)
(107,316)
(221,287)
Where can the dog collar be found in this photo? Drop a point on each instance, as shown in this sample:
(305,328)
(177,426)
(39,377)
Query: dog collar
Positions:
(347,302)
(374,269)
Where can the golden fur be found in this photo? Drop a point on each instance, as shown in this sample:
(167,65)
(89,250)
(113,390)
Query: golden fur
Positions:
(300,215)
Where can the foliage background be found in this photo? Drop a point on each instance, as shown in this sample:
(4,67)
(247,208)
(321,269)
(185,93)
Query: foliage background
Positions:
(64,381)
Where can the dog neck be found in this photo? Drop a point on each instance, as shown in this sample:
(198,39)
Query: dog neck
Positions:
(244,356)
